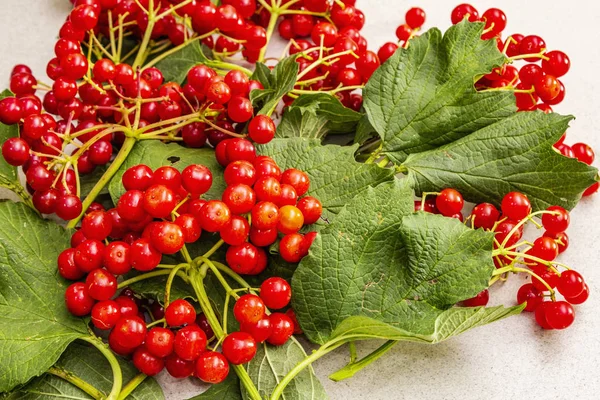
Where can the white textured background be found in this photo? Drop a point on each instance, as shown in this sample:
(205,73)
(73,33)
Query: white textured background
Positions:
(509,359)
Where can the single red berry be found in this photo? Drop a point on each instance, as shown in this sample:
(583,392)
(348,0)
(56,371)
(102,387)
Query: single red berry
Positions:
(485,216)
(265,215)
(311,208)
(180,312)
(580,298)
(105,314)
(556,63)
(282,328)
(276,293)
(464,11)
(583,153)
(571,284)
(67,267)
(212,367)
(478,301)
(516,206)
(249,309)
(530,294)
(159,201)
(190,342)
(556,222)
(167,176)
(78,300)
(196,179)
(101,284)
(159,341)
(544,248)
(146,362)
(243,259)
(88,255)
(559,314)
(291,220)
(178,367)
(138,177)
(240,172)
(144,257)
(96,225)
(292,249)
(239,348)
(449,202)
(260,330)
(214,216)
(15,151)
(261,129)
(296,178)
(236,231)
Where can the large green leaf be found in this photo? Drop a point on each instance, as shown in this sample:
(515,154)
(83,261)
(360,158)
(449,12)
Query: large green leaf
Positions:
(514,154)
(35,326)
(380,260)
(277,83)
(227,390)
(449,323)
(176,66)
(335,177)
(272,363)
(88,364)
(424,97)
(8,173)
(155,154)
(315,116)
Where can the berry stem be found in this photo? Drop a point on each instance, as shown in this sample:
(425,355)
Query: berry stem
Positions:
(110,172)
(222,281)
(156,322)
(275,12)
(197,279)
(170,279)
(213,249)
(227,271)
(141,55)
(147,276)
(354,366)
(114,365)
(18,189)
(132,385)
(76,381)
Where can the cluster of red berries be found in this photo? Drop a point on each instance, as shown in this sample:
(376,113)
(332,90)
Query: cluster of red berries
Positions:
(415,19)
(508,225)
(272,198)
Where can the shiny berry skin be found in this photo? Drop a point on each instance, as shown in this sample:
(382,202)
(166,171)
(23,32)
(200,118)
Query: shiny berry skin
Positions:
(39,177)
(138,177)
(96,225)
(159,201)
(190,227)
(218,92)
(146,362)
(78,300)
(266,168)
(238,82)
(178,367)
(144,257)
(292,249)
(263,238)
(367,64)
(571,284)
(239,348)
(386,51)
(239,198)
(583,153)
(67,267)
(261,129)
(260,330)
(532,44)
(404,33)
(68,207)
(129,332)
(265,215)
(11,111)
(449,202)
(239,109)
(556,223)
(167,238)
(311,208)
(160,341)
(559,315)
(242,259)
(84,17)
(268,189)
(282,328)
(562,240)
(540,315)
(296,178)
(544,248)
(15,151)
(127,305)
(240,172)
(547,276)
(45,201)
(288,196)
(478,301)
(131,206)
(485,215)
(101,284)
(592,190)
(196,179)
(556,63)
(214,216)
(190,342)
(291,220)
(249,309)
(117,258)
(581,298)
(236,231)
(167,176)
(88,255)
(464,11)
(212,367)
(547,87)
(415,17)
(326,32)
(180,312)
(276,293)
(495,22)
(105,314)
(240,149)
(530,294)
(516,206)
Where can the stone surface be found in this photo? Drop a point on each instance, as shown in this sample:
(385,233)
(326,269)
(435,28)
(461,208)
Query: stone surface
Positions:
(510,359)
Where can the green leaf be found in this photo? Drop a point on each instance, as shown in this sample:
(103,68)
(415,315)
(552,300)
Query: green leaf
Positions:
(88,181)
(176,66)
(364,130)
(514,154)
(448,324)
(272,363)
(87,363)
(226,390)
(315,116)
(335,177)
(8,173)
(380,260)
(423,97)
(35,326)
(277,83)
(155,154)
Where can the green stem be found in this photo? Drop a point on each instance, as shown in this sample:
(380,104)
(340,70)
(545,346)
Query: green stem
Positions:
(110,172)
(213,249)
(77,381)
(141,55)
(170,279)
(132,385)
(323,350)
(229,272)
(17,189)
(198,285)
(351,369)
(270,29)
(143,277)
(114,365)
